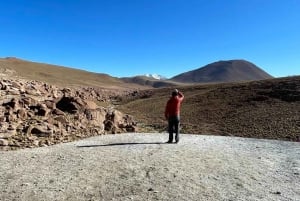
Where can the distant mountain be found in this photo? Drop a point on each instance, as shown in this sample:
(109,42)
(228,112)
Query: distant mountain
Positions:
(150,81)
(156,76)
(223,71)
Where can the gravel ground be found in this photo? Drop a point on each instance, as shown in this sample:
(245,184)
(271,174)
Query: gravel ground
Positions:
(142,167)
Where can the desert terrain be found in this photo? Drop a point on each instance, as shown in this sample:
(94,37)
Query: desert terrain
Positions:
(67,134)
(46,104)
(268,109)
(137,166)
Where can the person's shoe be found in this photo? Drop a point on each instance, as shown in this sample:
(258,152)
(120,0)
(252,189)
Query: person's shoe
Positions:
(169,142)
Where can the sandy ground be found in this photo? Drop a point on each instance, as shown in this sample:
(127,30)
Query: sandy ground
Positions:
(143,167)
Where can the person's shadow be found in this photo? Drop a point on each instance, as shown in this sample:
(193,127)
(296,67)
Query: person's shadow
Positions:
(120,144)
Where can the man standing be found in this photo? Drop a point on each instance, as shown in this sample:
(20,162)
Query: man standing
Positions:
(172,114)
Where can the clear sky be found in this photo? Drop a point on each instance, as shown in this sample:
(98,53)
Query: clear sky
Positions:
(167,37)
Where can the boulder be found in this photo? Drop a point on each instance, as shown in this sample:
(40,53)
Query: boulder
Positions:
(13,91)
(96,118)
(11,117)
(50,104)
(69,105)
(7,134)
(13,103)
(11,127)
(1,85)
(3,142)
(22,114)
(108,125)
(33,92)
(41,131)
(36,143)
(42,110)
(28,130)
(96,115)
(90,105)
(16,84)
(4,85)
(117,117)
(29,101)
(11,133)
(2,118)
(57,112)
(62,119)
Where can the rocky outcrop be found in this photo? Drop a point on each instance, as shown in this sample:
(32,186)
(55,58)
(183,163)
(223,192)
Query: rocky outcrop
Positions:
(38,114)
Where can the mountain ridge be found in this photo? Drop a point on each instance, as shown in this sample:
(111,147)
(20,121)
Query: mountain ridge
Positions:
(223,71)
(60,75)
(220,71)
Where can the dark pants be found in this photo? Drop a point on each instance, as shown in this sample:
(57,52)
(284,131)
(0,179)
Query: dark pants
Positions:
(173,128)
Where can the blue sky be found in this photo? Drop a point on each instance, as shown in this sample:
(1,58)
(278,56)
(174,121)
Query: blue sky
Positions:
(167,37)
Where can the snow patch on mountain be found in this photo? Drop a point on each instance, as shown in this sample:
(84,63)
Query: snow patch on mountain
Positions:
(155,76)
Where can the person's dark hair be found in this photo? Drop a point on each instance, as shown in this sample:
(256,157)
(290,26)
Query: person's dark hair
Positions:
(175,92)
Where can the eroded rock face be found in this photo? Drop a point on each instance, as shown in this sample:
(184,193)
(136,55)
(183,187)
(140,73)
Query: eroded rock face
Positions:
(37,114)
(69,104)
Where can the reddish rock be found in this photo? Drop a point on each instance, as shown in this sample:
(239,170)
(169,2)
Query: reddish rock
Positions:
(57,112)
(22,114)
(16,84)
(61,119)
(29,101)
(33,92)
(50,104)
(91,105)
(41,131)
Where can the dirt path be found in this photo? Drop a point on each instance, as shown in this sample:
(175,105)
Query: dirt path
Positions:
(142,167)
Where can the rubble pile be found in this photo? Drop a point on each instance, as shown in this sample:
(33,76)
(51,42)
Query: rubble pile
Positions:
(35,114)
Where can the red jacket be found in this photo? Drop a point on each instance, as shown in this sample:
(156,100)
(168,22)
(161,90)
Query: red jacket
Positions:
(173,105)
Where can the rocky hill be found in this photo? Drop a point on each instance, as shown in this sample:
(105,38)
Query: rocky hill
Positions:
(223,71)
(35,113)
(60,75)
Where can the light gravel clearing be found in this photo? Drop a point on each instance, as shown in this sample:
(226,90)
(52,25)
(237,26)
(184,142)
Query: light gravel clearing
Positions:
(142,167)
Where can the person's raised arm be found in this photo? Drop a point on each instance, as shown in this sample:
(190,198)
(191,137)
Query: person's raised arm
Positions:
(180,95)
